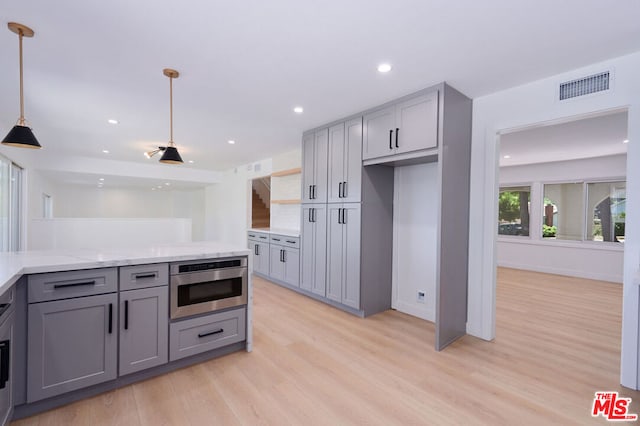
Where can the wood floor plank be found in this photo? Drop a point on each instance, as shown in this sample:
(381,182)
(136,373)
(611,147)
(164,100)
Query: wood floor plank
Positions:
(557,343)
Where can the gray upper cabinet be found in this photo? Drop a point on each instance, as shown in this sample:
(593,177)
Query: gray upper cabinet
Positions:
(313,248)
(72,344)
(407,126)
(345,162)
(144,329)
(314,166)
(343,254)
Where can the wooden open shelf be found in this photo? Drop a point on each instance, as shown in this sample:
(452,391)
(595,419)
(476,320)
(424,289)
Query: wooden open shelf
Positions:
(287,172)
(285,201)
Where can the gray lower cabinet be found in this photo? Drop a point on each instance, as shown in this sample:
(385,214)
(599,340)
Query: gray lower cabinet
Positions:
(6,368)
(196,335)
(144,329)
(72,343)
(285,264)
(313,249)
(260,256)
(343,254)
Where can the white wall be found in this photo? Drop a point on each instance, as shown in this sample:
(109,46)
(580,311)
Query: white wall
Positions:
(518,108)
(228,203)
(415,223)
(601,261)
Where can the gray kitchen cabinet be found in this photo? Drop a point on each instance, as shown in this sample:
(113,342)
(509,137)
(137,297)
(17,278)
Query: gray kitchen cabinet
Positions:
(345,161)
(313,249)
(343,254)
(7,359)
(407,126)
(314,166)
(143,276)
(72,344)
(260,256)
(144,328)
(285,264)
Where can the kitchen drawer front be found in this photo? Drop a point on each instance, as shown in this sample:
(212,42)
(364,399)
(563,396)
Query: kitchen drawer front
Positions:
(143,276)
(202,334)
(258,236)
(68,284)
(283,240)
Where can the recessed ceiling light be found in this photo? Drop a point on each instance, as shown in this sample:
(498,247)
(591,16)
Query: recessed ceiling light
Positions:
(383,68)
(106,151)
(112,121)
(507,157)
(159,186)
(231,142)
(298,110)
(101,179)
(625,141)
(153,189)
(167,183)
(191,161)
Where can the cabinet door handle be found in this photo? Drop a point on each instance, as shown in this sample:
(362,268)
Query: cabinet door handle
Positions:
(255,249)
(340,190)
(140,276)
(126,314)
(310,216)
(390,139)
(340,216)
(310,195)
(110,318)
(201,335)
(315,195)
(397,131)
(74,284)
(344,189)
(5,353)
(344,216)
(314,215)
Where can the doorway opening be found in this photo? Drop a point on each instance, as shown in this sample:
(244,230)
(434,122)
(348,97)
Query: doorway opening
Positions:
(261,202)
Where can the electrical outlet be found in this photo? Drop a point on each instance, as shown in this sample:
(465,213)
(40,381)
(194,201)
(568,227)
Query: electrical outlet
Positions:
(421,296)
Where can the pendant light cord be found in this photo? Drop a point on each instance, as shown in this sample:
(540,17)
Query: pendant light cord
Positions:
(171,110)
(21,120)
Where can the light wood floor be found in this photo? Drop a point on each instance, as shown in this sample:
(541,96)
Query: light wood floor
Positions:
(558,341)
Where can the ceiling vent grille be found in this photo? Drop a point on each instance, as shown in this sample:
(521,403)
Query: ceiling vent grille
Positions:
(584,86)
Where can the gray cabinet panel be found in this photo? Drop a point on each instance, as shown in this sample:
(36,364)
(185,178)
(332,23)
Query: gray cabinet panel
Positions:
(314,166)
(257,236)
(72,345)
(284,240)
(417,123)
(313,252)
(343,254)
(201,334)
(64,285)
(144,276)
(377,133)
(276,268)
(352,188)
(260,256)
(291,266)
(336,166)
(351,249)
(144,329)
(7,343)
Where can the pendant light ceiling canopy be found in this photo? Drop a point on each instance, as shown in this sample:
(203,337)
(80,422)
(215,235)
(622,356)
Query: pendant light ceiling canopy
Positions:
(21,135)
(171,154)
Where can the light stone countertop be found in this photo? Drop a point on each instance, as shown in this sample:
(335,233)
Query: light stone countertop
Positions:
(15,264)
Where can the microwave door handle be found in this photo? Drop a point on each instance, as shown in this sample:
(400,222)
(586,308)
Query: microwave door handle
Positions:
(5,352)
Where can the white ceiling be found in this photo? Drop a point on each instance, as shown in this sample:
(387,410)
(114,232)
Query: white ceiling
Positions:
(245,64)
(596,136)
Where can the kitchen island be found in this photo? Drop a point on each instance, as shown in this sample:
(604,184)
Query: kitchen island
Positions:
(77,323)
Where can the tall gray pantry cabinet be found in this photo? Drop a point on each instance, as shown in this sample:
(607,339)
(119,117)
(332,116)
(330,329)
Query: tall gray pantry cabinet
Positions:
(351,268)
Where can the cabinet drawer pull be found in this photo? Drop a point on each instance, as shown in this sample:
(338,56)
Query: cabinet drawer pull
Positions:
(74,284)
(397,131)
(5,353)
(390,139)
(210,333)
(141,276)
(291,242)
(275,239)
(126,314)
(263,237)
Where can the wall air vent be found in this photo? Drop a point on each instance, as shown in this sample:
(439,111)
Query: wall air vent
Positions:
(584,86)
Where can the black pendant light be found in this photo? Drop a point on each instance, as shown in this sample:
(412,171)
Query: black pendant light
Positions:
(21,135)
(170,154)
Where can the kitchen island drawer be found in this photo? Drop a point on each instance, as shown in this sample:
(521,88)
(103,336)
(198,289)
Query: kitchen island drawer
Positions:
(283,240)
(258,236)
(69,284)
(143,276)
(201,334)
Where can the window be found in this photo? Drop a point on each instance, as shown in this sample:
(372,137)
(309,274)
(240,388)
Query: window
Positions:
(563,211)
(606,211)
(10,205)
(513,211)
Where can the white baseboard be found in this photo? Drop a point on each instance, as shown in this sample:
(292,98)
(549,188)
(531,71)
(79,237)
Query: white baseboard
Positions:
(616,278)
(423,313)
